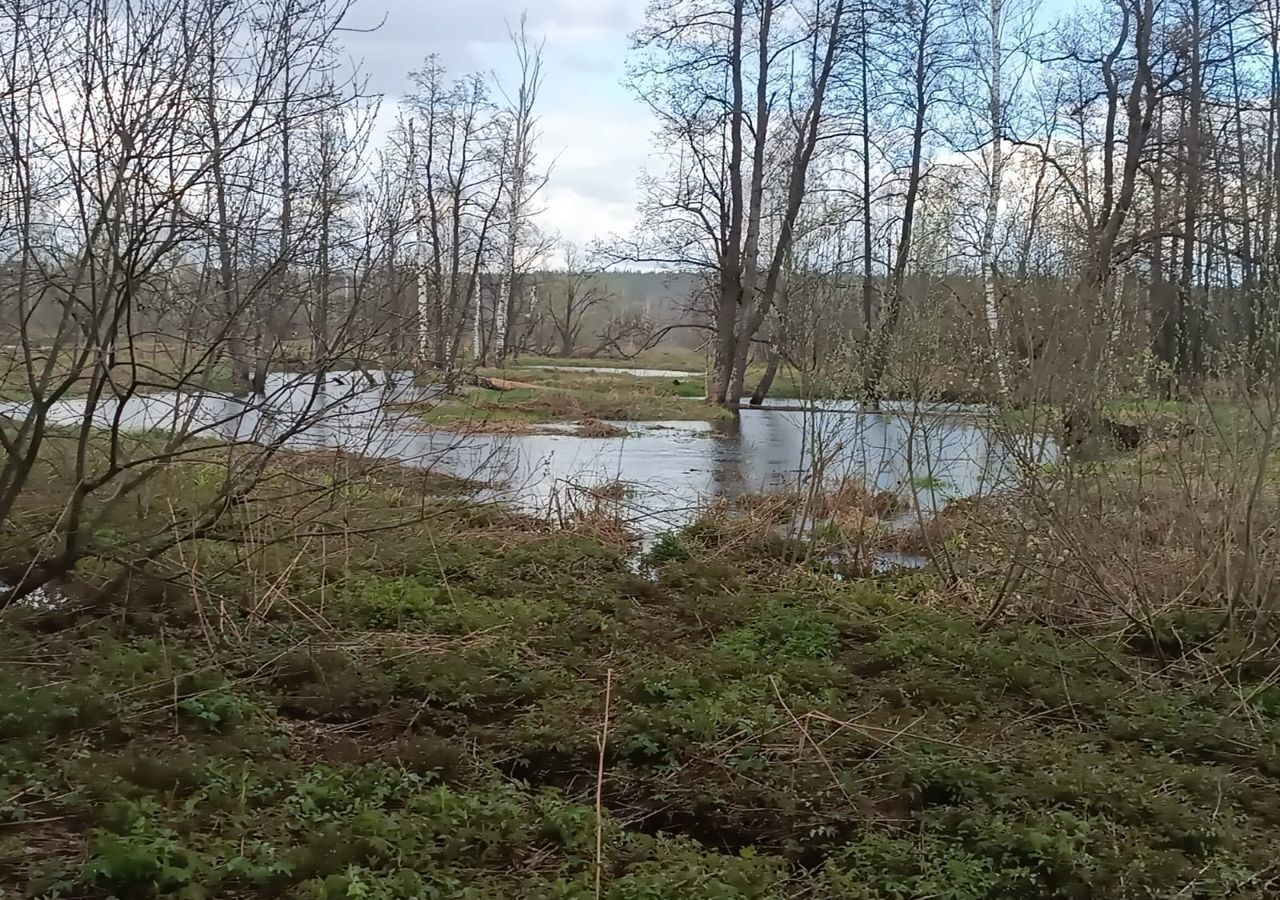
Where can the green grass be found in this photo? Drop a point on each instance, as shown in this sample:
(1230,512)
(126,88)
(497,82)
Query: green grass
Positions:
(483,406)
(555,396)
(673,358)
(604,382)
(786,385)
(1149,411)
(151,368)
(416,713)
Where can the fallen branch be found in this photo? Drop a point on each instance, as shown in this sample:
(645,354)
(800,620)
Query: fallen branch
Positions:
(501,384)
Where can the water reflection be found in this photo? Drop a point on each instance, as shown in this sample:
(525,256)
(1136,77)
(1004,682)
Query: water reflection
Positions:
(671,466)
(617,370)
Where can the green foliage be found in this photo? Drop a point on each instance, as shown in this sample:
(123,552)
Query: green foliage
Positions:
(686,871)
(668,547)
(217,710)
(421,720)
(394,603)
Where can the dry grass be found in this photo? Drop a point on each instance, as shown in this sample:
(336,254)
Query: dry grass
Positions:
(846,522)
(854,498)
(147,364)
(597,428)
(595,511)
(1109,550)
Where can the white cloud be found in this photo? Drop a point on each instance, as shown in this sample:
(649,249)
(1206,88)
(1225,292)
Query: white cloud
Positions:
(458,31)
(598,152)
(597,134)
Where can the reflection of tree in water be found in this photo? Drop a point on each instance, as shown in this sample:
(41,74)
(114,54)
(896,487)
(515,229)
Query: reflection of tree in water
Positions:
(672,468)
(926,455)
(729,476)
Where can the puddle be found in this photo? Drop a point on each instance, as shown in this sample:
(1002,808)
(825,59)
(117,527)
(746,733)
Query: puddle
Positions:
(45,598)
(889,560)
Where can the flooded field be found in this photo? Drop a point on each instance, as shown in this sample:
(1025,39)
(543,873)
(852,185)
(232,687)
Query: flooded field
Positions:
(928,454)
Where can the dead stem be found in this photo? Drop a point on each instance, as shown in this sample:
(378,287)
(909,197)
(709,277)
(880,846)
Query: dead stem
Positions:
(602,742)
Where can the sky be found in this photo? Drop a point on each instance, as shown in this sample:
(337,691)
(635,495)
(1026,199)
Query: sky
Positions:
(595,135)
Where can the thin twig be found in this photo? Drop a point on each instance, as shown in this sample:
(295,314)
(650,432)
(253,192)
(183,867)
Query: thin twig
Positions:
(805,736)
(602,742)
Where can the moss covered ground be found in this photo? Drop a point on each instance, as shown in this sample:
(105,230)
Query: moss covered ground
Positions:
(419,712)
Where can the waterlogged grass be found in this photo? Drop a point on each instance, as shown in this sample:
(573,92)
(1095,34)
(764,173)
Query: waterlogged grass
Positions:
(1155,415)
(417,714)
(929,483)
(554,397)
(692,385)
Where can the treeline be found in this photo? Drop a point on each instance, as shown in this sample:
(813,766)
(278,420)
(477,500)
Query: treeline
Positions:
(201,175)
(835,169)
(1124,155)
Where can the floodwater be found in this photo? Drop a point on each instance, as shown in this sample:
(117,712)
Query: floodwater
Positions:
(612,370)
(670,468)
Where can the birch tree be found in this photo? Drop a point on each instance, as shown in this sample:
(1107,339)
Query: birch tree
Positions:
(987,255)
(522,181)
(422,249)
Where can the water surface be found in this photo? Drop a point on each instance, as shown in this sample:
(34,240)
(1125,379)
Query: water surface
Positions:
(612,370)
(925,454)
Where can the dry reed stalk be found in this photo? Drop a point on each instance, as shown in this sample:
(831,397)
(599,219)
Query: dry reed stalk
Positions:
(410,643)
(806,737)
(602,742)
(194,583)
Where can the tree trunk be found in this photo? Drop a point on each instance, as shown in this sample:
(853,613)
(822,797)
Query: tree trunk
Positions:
(868,289)
(240,371)
(879,357)
(1163,326)
(996,113)
(766,380)
(757,302)
(421,260)
(1189,362)
(729,298)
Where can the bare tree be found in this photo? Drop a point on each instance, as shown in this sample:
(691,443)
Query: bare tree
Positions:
(716,76)
(574,295)
(522,182)
(1131,108)
(920,54)
(137,137)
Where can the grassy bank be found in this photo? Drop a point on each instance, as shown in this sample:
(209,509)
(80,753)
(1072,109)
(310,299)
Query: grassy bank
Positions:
(553,396)
(351,712)
(148,366)
(674,358)
(548,396)
(786,384)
